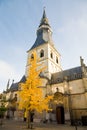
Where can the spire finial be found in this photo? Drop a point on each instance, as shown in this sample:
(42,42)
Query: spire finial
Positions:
(8,84)
(44,19)
(81,60)
(44,14)
(44,8)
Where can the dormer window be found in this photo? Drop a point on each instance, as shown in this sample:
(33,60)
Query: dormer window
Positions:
(51,55)
(42,53)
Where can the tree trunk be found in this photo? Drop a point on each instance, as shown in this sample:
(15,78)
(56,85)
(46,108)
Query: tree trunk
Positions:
(28,120)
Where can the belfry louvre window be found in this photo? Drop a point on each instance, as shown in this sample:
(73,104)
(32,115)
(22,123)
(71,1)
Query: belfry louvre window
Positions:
(42,53)
(56,59)
(51,55)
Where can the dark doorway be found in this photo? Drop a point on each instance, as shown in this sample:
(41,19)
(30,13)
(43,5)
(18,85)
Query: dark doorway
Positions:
(60,115)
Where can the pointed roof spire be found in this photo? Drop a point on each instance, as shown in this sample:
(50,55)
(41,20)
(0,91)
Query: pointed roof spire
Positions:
(44,14)
(44,28)
(44,20)
(8,84)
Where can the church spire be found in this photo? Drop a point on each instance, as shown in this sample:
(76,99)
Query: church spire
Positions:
(44,14)
(44,32)
(44,20)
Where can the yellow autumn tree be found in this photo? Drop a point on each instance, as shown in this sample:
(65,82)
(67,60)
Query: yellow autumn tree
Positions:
(31,94)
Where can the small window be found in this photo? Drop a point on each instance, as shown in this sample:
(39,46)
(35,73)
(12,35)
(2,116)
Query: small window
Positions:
(56,59)
(32,56)
(57,89)
(42,53)
(51,55)
(15,95)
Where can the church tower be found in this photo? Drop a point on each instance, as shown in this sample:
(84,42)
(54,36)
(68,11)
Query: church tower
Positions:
(44,47)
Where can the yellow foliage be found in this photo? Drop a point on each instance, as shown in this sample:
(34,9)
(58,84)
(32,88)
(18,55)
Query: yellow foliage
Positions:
(31,95)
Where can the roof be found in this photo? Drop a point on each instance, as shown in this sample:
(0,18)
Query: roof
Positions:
(44,20)
(43,28)
(23,79)
(39,41)
(15,86)
(71,74)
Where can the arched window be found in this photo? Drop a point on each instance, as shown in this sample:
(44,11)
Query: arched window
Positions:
(42,53)
(51,55)
(32,56)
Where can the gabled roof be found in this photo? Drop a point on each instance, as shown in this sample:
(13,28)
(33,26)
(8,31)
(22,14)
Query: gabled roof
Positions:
(71,74)
(15,86)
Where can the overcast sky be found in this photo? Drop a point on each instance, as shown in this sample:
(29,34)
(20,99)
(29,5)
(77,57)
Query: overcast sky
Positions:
(19,20)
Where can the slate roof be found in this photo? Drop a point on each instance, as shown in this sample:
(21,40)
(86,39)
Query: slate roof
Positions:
(71,74)
(44,25)
(44,20)
(14,86)
(39,41)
